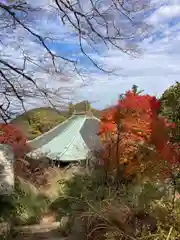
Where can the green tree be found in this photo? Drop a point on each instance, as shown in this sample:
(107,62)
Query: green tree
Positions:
(170,108)
(134,89)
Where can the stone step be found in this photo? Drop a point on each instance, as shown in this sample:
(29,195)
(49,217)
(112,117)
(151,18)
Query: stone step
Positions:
(49,231)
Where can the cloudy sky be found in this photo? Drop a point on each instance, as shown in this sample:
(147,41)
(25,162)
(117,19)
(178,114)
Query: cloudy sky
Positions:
(154,71)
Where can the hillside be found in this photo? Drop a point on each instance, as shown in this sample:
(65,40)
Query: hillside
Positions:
(40,120)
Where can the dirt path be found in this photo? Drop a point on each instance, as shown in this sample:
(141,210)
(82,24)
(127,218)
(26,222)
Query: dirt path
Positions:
(49,230)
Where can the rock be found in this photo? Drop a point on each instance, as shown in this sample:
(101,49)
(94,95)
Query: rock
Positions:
(4,229)
(65,225)
(6,170)
(48,218)
(77,230)
(143,222)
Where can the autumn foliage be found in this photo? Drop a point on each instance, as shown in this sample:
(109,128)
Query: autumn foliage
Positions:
(136,137)
(11,135)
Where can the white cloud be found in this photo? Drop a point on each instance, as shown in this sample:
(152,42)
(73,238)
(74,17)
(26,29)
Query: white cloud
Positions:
(166,11)
(156,70)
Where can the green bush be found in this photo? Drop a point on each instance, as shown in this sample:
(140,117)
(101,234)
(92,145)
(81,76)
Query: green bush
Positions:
(170,108)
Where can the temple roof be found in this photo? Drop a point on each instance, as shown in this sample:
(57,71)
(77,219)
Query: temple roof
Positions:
(71,140)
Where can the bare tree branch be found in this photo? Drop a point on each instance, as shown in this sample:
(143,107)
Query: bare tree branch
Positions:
(95,24)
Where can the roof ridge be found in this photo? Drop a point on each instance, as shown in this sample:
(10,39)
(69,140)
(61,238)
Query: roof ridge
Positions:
(74,137)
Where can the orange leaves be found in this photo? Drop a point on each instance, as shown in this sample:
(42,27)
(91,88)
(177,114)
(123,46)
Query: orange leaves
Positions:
(11,135)
(133,121)
(138,104)
(132,114)
(108,128)
(160,138)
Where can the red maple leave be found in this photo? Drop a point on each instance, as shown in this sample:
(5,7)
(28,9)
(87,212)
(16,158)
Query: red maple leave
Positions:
(11,135)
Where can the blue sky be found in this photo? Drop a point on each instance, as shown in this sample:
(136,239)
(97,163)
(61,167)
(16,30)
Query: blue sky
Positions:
(154,71)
